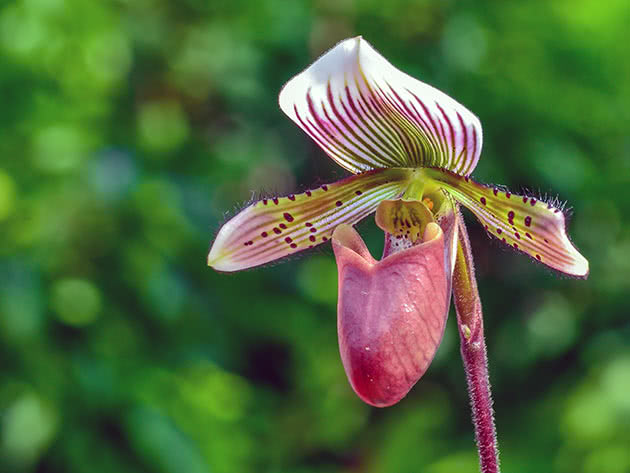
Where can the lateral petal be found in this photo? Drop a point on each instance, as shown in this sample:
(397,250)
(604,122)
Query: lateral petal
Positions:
(276,227)
(524,223)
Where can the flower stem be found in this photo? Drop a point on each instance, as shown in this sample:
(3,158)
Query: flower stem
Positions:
(473,350)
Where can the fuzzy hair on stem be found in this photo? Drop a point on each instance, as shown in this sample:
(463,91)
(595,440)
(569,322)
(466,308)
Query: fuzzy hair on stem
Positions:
(473,351)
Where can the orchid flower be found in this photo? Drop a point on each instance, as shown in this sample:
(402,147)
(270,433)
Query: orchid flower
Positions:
(411,149)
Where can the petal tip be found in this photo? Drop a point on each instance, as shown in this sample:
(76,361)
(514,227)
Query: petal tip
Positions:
(581,267)
(219,262)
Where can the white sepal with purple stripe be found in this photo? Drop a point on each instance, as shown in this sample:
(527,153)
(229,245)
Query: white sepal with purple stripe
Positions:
(366,114)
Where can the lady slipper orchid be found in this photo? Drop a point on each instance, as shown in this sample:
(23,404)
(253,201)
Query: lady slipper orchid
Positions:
(402,138)
(411,149)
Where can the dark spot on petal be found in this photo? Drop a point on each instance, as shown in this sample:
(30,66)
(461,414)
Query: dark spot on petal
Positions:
(265,201)
(308,224)
(511,215)
(495,191)
(308,193)
(528,236)
(499,231)
(532,202)
(528,221)
(275,200)
(291,197)
(518,237)
(313,230)
(338,203)
(525,200)
(358,192)
(288,239)
(263,234)
(277,231)
(283,226)
(483,200)
(312,238)
(508,195)
(293,245)
(325,187)
(538,257)
(515,245)
(288,217)
(324,238)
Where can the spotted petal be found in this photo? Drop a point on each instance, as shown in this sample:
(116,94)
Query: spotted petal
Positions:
(273,228)
(366,114)
(534,227)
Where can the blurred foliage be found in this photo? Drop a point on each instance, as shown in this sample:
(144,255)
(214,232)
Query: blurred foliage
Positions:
(129,127)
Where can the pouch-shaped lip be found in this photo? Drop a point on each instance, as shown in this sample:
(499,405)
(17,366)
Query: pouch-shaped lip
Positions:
(391,313)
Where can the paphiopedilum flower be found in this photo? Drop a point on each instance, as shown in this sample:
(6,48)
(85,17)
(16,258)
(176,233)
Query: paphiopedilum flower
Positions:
(411,149)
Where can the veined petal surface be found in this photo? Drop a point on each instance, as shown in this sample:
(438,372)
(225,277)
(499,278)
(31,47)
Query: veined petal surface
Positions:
(366,114)
(276,227)
(524,223)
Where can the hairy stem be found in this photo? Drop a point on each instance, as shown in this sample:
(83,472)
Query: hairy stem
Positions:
(473,350)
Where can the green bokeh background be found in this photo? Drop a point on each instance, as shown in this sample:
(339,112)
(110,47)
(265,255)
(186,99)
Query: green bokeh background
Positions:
(129,128)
